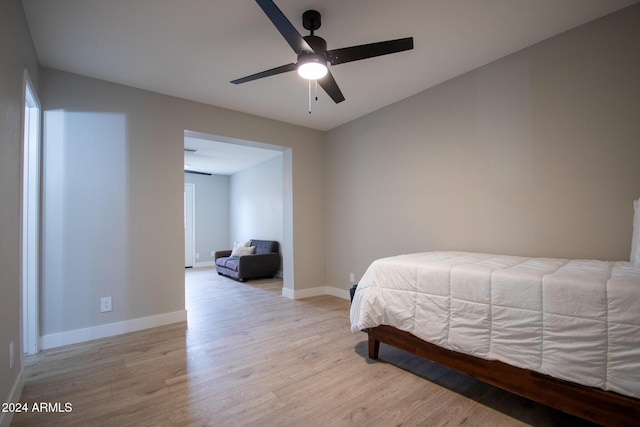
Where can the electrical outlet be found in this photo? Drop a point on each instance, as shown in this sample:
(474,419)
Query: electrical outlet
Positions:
(11,355)
(197,255)
(105,304)
(213,253)
(352,277)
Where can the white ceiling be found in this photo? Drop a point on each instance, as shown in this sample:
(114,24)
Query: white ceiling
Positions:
(222,158)
(193,48)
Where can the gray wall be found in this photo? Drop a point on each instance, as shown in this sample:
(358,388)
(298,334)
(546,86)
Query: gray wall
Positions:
(257,202)
(212,213)
(113,201)
(17,53)
(535,154)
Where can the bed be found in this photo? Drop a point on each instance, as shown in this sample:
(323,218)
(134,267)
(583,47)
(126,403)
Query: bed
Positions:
(565,333)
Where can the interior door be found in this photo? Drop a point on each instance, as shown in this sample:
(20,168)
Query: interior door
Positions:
(189,225)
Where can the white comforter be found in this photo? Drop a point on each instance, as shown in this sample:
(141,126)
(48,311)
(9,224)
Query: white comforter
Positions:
(576,320)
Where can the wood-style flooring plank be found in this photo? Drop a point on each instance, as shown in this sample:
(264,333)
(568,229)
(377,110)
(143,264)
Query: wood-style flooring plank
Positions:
(248,356)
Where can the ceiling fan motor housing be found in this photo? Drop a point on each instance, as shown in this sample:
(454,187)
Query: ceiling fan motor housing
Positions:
(318,44)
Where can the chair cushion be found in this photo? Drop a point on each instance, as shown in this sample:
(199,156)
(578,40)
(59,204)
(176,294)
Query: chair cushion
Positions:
(265,246)
(232,263)
(228,262)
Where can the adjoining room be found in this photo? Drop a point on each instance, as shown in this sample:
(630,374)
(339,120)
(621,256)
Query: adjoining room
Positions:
(234,192)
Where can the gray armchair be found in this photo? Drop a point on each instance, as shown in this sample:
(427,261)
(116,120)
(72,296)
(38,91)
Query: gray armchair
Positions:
(264,262)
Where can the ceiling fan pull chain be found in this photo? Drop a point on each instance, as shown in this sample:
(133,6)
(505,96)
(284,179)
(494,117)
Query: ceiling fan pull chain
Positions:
(316,90)
(309,96)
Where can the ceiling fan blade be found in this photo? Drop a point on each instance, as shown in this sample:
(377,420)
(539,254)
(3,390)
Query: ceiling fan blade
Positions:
(272,72)
(286,28)
(328,83)
(364,51)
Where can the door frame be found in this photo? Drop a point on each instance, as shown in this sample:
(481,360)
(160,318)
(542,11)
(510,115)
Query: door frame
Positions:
(30,216)
(192,187)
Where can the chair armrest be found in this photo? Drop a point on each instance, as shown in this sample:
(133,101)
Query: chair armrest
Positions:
(258,265)
(220,254)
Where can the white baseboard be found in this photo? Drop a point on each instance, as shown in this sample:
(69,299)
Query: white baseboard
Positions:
(14,396)
(204,264)
(102,331)
(340,293)
(314,292)
(287,293)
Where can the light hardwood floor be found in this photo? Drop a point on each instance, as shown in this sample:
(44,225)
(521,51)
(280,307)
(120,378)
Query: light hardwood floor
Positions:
(249,356)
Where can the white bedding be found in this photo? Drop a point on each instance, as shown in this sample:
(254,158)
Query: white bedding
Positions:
(576,320)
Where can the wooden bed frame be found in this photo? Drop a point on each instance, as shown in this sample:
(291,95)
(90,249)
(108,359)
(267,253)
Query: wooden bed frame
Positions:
(593,404)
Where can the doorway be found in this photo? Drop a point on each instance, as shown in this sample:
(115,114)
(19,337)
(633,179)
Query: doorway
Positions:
(30,258)
(228,156)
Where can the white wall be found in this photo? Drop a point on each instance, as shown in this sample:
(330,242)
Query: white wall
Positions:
(257,202)
(120,234)
(535,154)
(17,53)
(212,214)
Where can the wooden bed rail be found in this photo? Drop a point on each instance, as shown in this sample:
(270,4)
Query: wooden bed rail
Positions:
(593,404)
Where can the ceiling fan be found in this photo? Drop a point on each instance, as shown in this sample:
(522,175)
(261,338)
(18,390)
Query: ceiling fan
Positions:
(312,52)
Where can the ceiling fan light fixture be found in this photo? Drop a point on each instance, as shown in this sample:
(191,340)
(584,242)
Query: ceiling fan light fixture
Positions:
(312,67)
(313,54)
